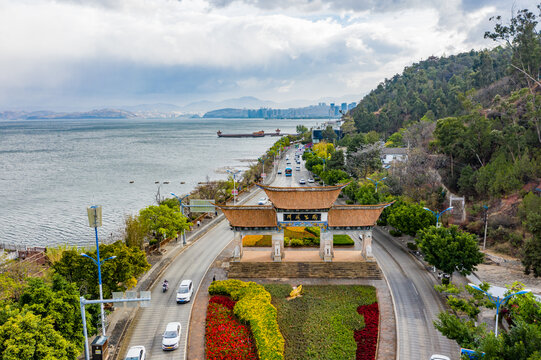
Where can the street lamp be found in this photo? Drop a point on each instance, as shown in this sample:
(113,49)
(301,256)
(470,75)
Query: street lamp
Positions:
(496,295)
(94,220)
(181,207)
(437,215)
(486,225)
(234,173)
(376,182)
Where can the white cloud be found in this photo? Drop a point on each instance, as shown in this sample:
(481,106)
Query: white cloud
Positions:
(282,46)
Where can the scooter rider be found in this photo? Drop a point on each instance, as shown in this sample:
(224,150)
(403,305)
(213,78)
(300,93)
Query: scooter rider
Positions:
(165,284)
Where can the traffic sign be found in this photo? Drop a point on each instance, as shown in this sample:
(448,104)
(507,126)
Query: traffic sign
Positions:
(234,192)
(263,175)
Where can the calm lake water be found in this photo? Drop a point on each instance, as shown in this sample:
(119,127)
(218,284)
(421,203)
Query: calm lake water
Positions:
(50,171)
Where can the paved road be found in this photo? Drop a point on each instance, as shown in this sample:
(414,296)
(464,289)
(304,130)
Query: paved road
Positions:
(416,302)
(192,263)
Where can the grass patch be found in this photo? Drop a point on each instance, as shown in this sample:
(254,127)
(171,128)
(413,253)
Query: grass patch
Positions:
(342,240)
(257,240)
(321,323)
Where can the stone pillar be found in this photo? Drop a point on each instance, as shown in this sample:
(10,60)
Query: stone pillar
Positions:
(237,240)
(366,251)
(326,251)
(277,250)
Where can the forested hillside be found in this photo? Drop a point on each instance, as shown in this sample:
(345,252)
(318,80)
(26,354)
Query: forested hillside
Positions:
(472,123)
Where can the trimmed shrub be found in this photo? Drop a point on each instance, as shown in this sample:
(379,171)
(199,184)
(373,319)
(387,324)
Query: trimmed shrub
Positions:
(314,230)
(254,307)
(342,240)
(296,243)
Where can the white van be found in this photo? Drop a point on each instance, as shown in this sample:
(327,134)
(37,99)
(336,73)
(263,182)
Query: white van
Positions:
(298,168)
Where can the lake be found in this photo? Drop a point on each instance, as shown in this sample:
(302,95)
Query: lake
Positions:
(50,171)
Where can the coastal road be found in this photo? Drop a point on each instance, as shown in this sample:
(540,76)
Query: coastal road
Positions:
(416,302)
(149,323)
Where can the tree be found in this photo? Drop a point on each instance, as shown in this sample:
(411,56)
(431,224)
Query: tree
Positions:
(134,231)
(27,336)
(328,134)
(364,161)
(163,222)
(450,249)
(59,302)
(531,256)
(117,274)
(409,218)
(336,161)
(301,129)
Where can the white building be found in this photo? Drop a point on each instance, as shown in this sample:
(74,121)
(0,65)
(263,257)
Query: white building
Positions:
(388,155)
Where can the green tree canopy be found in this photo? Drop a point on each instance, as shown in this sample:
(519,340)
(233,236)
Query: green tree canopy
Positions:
(409,218)
(163,222)
(450,249)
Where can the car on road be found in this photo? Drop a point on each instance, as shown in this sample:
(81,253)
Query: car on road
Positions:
(310,180)
(302,181)
(136,353)
(171,336)
(279,172)
(439,357)
(262,201)
(185,291)
(288,163)
(298,168)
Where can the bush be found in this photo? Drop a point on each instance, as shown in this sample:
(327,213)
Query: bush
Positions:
(412,246)
(296,242)
(314,230)
(254,307)
(395,233)
(342,240)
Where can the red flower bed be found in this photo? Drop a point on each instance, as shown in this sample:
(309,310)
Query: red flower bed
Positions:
(225,337)
(367,338)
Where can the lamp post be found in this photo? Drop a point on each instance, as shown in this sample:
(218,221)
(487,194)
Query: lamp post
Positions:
(181,207)
(234,173)
(94,220)
(497,297)
(437,215)
(376,182)
(486,225)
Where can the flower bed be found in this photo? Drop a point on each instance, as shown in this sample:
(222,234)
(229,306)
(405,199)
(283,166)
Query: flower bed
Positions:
(226,337)
(367,338)
(257,240)
(254,307)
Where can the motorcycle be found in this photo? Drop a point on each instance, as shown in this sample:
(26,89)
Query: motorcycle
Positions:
(165,286)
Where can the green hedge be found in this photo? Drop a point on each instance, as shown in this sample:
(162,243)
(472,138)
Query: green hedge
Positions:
(307,241)
(254,307)
(342,240)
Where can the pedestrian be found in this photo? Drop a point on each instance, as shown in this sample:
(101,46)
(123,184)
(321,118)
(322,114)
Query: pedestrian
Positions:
(216,213)
(198,223)
(213,278)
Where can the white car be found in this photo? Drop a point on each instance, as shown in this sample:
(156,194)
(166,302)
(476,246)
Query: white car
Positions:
(439,357)
(171,336)
(310,180)
(262,201)
(302,182)
(279,171)
(136,353)
(185,291)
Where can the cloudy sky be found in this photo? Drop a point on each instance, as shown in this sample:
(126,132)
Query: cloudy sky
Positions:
(83,54)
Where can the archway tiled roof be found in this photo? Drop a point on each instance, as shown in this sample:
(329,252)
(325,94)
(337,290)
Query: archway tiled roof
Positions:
(305,198)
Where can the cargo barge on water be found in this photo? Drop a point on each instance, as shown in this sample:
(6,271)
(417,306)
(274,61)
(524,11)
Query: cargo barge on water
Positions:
(254,134)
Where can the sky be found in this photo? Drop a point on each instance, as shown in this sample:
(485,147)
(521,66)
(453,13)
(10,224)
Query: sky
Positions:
(84,54)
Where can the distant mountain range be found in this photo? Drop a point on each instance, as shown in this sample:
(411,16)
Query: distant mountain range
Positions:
(244,106)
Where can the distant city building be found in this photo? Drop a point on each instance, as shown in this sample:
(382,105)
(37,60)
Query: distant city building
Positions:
(344,107)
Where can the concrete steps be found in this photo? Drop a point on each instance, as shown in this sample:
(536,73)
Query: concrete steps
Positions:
(330,270)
